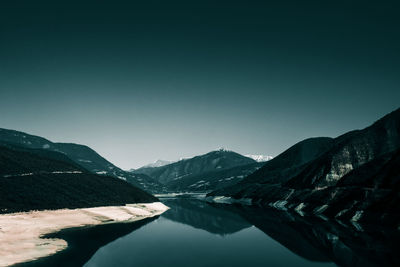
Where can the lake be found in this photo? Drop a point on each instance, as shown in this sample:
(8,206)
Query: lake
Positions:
(195,233)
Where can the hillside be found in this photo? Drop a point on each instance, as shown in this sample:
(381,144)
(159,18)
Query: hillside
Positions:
(337,182)
(29,181)
(281,168)
(81,155)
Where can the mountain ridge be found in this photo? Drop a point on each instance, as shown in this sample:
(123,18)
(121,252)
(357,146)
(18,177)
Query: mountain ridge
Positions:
(203,173)
(29,181)
(318,186)
(82,155)
(218,159)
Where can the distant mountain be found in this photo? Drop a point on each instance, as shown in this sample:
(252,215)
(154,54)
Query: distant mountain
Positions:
(81,155)
(33,180)
(155,164)
(197,173)
(352,176)
(160,163)
(259,158)
(212,180)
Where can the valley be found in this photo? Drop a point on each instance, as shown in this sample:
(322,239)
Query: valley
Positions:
(329,193)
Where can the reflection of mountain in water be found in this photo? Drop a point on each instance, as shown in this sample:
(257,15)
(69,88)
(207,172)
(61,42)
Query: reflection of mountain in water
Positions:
(315,239)
(201,215)
(323,240)
(84,242)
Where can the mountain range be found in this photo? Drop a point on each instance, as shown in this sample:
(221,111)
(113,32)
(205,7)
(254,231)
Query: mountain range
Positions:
(82,155)
(160,162)
(203,173)
(355,176)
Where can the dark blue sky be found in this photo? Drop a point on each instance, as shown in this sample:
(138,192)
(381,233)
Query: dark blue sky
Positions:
(169,79)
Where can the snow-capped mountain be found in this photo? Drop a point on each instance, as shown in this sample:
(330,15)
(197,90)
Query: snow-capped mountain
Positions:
(260,158)
(199,165)
(158,163)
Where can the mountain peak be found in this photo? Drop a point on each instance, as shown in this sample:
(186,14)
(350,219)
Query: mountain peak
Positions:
(259,158)
(157,163)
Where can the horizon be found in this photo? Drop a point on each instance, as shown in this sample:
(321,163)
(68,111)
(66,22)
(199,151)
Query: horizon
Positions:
(138,82)
(212,150)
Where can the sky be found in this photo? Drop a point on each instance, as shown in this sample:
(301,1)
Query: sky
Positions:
(139,81)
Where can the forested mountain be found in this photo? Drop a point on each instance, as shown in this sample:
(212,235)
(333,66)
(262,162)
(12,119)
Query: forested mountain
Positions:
(37,180)
(81,155)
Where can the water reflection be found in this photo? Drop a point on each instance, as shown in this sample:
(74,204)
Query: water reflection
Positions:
(319,239)
(313,238)
(195,233)
(84,242)
(201,215)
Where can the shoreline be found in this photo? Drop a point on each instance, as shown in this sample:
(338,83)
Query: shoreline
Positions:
(22,234)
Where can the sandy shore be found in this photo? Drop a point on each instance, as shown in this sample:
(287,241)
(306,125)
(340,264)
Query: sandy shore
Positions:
(20,233)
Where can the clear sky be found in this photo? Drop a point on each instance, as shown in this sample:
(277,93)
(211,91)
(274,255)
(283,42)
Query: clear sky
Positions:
(170,79)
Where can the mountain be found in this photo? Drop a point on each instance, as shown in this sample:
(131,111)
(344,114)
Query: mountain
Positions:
(334,179)
(157,163)
(282,167)
(81,155)
(212,180)
(197,173)
(35,181)
(259,158)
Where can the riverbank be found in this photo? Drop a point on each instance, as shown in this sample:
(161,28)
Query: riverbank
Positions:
(21,233)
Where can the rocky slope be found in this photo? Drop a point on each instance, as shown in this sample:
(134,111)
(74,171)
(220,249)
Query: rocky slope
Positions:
(81,155)
(336,181)
(29,181)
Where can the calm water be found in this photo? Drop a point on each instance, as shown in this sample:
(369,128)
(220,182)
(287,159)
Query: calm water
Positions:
(194,233)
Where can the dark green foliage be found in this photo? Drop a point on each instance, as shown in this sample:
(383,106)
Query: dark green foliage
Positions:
(57,191)
(43,189)
(17,160)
